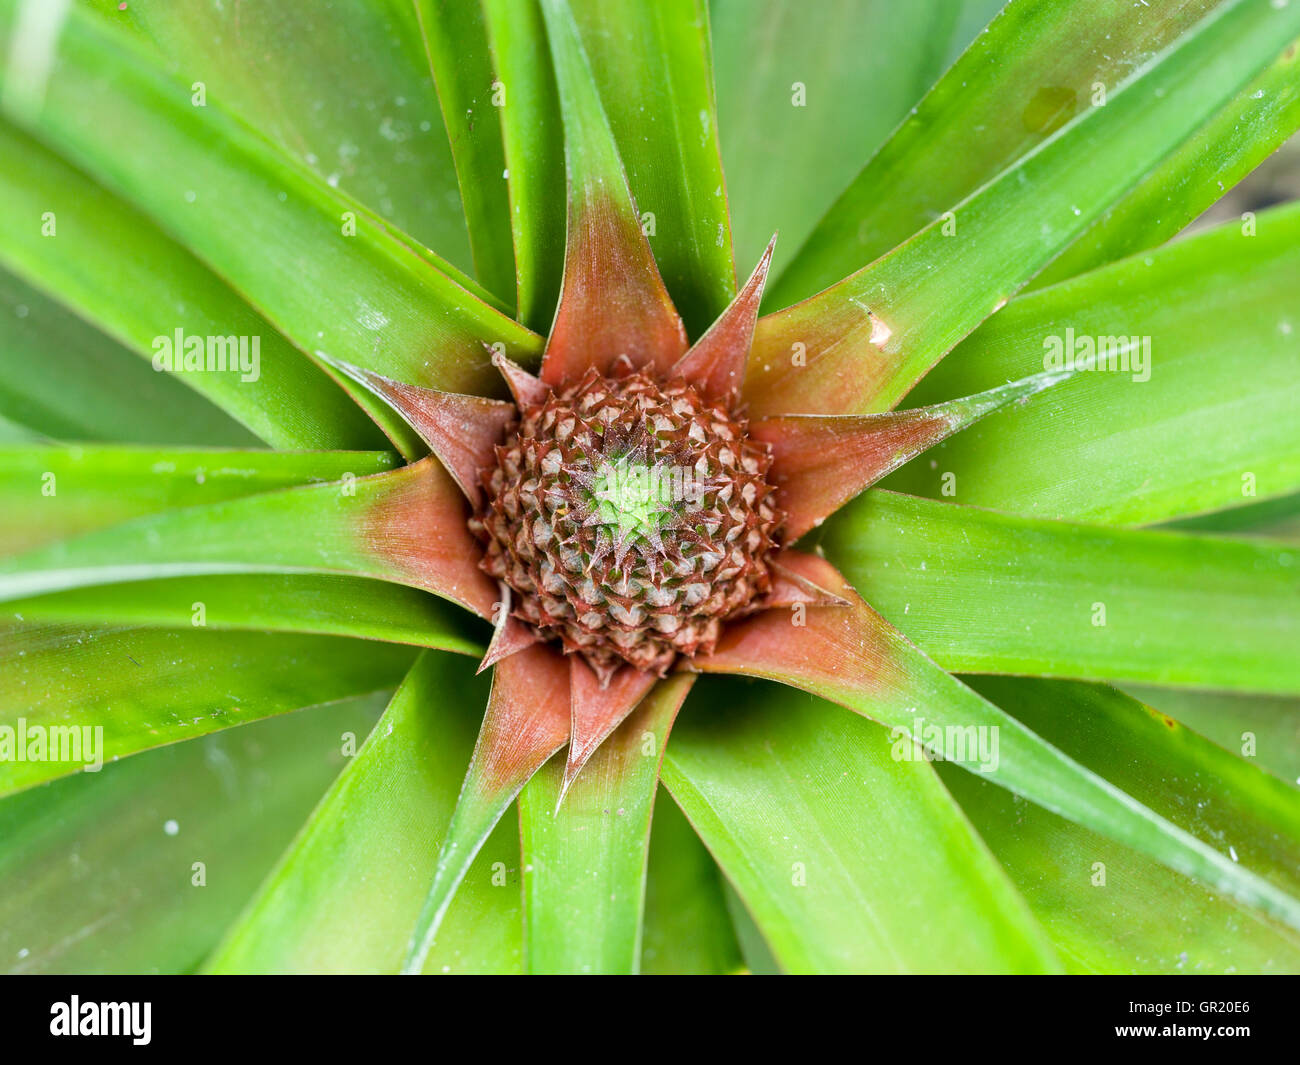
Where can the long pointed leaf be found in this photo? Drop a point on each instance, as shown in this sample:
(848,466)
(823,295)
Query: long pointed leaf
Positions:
(267,602)
(533,134)
(653,68)
(108,693)
(405,526)
(456,40)
(463,431)
(854,657)
(527,721)
(612,300)
(819,463)
(865,341)
(47,493)
(365,856)
(991,593)
(156,289)
(596,710)
(1183,430)
(715,364)
(848,859)
(321,268)
(585,862)
(138,869)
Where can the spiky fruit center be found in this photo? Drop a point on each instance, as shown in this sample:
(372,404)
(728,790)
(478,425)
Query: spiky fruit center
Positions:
(630,499)
(631,518)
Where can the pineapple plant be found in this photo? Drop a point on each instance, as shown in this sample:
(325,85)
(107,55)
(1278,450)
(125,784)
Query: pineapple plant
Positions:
(421,554)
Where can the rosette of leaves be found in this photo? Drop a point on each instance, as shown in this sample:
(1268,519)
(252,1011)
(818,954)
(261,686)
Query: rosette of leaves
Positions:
(347,352)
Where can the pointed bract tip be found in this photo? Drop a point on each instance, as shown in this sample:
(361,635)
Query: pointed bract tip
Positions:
(758,279)
(1019,391)
(598,705)
(570,774)
(1047,379)
(790,587)
(820,462)
(508,637)
(715,364)
(527,389)
(347,369)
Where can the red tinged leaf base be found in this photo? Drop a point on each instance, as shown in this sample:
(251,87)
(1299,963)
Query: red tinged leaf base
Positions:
(821,648)
(417,525)
(613,302)
(526,722)
(715,365)
(598,709)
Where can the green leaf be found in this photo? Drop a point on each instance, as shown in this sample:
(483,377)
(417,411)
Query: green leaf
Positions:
(138,869)
(613,302)
(850,655)
(108,263)
(993,593)
(533,134)
(1177,426)
(1038,68)
(652,67)
(1219,798)
(297,602)
(347,93)
(754,949)
(63,379)
(54,492)
(405,526)
(1117,917)
(455,38)
(527,721)
(321,268)
(1141,918)
(849,860)
(1272,519)
(346,893)
(870,337)
(804,101)
(1262,729)
(147,687)
(687,929)
(1222,152)
(585,861)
